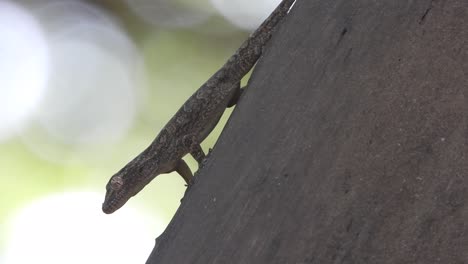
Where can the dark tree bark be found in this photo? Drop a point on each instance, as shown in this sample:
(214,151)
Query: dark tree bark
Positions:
(349,145)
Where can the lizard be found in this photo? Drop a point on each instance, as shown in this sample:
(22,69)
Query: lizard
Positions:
(193,122)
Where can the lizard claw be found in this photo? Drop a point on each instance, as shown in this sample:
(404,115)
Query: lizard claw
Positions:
(205,160)
(190,183)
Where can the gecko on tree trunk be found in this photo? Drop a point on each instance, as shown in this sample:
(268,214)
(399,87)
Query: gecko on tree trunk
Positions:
(193,122)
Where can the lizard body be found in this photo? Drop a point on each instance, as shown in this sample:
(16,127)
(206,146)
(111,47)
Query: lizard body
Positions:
(193,122)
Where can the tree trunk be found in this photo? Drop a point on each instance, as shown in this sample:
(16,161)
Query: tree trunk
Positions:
(348,146)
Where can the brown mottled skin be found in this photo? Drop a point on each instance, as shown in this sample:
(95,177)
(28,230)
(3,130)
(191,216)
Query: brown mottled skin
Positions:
(193,122)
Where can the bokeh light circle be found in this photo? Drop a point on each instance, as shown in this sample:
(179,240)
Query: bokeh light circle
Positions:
(71,228)
(24,67)
(91,93)
(96,83)
(90,97)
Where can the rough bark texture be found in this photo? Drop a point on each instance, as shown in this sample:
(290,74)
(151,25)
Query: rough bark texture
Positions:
(349,146)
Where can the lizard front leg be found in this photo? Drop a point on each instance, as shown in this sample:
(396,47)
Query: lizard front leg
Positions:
(190,143)
(197,153)
(183,169)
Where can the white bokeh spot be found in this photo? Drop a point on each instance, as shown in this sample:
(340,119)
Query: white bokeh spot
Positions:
(71,228)
(24,67)
(96,76)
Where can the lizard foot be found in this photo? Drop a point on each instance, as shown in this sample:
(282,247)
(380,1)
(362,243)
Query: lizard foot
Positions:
(188,185)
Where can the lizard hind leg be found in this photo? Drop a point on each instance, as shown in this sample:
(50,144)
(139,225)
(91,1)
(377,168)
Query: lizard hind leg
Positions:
(236,96)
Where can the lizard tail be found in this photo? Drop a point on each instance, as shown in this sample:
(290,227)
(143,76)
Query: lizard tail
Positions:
(251,50)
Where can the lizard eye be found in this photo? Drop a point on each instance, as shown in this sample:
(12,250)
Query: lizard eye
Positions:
(116,183)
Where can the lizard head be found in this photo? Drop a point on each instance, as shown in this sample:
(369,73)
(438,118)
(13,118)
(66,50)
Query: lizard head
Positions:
(132,178)
(128,182)
(117,194)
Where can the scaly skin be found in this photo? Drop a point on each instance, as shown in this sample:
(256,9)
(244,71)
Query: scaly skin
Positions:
(193,122)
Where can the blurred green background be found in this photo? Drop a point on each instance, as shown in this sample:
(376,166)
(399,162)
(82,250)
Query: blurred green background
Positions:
(85,87)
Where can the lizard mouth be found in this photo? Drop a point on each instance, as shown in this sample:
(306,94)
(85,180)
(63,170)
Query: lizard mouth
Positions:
(111,205)
(107,209)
